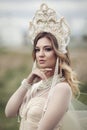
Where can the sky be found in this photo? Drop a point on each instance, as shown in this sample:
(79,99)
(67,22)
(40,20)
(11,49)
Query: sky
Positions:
(16,14)
(25,8)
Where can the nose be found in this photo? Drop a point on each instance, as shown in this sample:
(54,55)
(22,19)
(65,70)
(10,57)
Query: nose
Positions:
(41,53)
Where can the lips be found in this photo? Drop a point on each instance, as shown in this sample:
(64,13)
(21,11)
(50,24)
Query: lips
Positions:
(41,61)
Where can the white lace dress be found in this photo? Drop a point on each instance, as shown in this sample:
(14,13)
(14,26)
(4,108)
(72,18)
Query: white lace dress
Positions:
(31,113)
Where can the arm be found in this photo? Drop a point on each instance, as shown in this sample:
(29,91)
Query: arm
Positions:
(57,107)
(15,101)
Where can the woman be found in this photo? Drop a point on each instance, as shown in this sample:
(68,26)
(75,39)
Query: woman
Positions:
(34,104)
(43,100)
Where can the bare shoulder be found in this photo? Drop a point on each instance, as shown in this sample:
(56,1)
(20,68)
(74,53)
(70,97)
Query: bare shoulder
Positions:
(63,87)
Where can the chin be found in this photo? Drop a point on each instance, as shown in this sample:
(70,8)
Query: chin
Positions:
(45,66)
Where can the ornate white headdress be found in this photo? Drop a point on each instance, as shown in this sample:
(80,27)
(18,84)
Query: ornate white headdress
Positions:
(45,20)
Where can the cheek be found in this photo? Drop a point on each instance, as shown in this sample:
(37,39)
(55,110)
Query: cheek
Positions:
(52,58)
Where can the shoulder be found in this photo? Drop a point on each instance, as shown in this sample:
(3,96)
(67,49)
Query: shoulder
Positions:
(63,88)
(61,94)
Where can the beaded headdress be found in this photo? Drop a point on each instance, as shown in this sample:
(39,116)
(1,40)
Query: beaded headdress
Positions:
(45,20)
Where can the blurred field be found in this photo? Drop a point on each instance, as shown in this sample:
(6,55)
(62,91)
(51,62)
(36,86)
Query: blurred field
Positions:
(16,65)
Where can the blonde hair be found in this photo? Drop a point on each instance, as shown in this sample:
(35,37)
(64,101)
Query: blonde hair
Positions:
(67,72)
(64,61)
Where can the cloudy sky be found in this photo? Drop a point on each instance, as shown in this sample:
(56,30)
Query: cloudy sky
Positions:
(16,14)
(25,8)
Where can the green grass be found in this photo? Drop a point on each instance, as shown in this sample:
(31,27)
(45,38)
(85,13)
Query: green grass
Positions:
(14,67)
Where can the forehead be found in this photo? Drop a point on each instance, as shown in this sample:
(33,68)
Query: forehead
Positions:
(43,42)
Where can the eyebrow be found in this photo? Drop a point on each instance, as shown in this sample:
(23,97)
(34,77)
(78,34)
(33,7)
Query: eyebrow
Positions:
(44,46)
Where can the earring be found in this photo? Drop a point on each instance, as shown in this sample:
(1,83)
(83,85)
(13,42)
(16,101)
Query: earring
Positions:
(60,70)
(54,80)
(55,77)
(56,67)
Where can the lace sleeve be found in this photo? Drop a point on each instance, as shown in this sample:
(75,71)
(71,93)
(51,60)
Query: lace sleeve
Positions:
(57,106)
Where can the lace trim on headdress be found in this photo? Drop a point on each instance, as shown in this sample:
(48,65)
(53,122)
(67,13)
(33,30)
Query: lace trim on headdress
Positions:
(45,20)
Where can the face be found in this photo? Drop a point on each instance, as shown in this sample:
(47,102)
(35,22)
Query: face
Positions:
(45,55)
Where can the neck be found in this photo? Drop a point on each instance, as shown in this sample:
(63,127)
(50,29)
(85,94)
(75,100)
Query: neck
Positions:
(50,73)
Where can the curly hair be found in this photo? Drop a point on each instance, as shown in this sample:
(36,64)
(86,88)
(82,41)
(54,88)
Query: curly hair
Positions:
(64,61)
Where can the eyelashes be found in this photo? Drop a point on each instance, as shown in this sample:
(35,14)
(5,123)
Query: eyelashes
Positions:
(36,49)
(47,49)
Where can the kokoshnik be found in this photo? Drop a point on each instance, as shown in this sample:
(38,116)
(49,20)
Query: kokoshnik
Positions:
(45,20)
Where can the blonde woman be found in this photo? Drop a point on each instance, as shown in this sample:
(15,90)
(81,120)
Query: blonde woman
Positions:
(43,100)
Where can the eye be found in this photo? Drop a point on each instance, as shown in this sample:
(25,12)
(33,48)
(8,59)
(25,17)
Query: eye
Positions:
(37,49)
(48,49)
